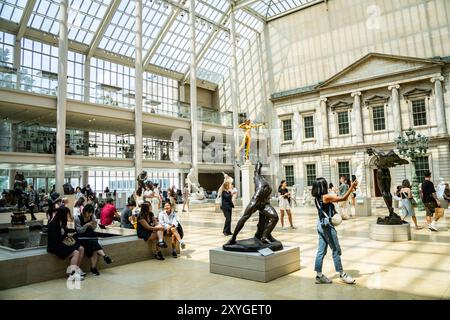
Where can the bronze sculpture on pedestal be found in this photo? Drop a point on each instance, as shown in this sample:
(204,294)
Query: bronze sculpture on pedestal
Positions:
(268,219)
(384,161)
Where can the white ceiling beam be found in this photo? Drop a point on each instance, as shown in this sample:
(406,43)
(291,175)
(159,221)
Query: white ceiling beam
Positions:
(254,13)
(25,18)
(301,7)
(102,28)
(161,34)
(209,41)
(244,3)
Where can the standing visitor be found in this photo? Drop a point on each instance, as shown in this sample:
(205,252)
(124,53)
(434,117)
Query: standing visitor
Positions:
(430,201)
(342,190)
(407,207)
(78,193)
(284,198)
(186,197)
(33,201)
(227,207)
(325,229)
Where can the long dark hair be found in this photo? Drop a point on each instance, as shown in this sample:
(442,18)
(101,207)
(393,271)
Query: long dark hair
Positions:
(281,183)
(406,184)
(145,212)
(79,202)
(61,216)
(319,188)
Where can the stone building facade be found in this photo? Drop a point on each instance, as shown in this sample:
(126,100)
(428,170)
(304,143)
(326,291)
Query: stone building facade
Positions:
(326,128)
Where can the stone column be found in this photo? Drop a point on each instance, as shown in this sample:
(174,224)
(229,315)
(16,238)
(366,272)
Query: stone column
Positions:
(396,113)
(357,118)
(17,49)
(193,90)
(439,101)
(62,97)
(324,120)
(235,100)
(87,79)
(138,91)
(84,178)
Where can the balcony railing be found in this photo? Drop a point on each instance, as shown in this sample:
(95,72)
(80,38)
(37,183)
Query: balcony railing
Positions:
(46,83)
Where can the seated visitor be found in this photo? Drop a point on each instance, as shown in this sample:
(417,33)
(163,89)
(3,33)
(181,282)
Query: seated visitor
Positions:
(126,217)
(62,244)
(148,228)
(78,194)
(85,224)
(169,220)
(78,207)
(109,213)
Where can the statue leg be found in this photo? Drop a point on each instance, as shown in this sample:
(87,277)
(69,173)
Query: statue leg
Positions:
(272,216)
(247,148)
(262,223)
(386,190)
(251,209)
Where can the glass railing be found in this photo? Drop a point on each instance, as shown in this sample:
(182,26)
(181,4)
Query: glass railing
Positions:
(46,83)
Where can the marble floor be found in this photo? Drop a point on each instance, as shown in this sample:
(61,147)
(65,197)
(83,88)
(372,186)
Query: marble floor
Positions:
(417,269)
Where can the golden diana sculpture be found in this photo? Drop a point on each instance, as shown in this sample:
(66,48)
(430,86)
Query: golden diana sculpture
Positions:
(246,141)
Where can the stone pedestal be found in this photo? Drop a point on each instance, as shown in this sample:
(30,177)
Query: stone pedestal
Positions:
(18,236)
(248,186)
(254,266)
(363,207)
(391,233)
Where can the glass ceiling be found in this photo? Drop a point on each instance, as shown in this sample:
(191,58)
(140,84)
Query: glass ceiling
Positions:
(172,46)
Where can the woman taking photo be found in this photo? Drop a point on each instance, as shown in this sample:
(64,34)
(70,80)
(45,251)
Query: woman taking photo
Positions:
(227,207)
(284,198)
(149,229)
(63,245)
(85,224)
(407,207)
(327,232)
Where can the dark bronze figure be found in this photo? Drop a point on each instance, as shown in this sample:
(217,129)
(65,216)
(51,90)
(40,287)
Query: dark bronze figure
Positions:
(141,178)
(384,161)
(268,219)
(20,184)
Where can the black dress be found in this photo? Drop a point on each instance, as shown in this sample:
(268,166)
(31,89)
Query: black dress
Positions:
(88,239)
(143,233)
(55,245)
(227,207)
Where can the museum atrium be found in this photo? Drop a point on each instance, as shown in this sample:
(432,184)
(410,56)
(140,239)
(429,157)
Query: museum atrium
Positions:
(166,101)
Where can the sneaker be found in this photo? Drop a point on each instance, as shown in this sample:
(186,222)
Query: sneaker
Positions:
(107,259)
(323,280)
(292,227)
(162,244)
(432,228)
(74,276)
(284,228)
(174,254)
(159,256)
(182,245)
(81,273)
(95,272)
(347,279)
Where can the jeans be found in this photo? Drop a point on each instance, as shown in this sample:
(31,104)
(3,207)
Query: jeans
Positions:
(328,238)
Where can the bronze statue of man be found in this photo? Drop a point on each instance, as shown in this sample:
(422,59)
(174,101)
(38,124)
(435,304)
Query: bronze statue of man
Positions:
(384,161)
(268,217)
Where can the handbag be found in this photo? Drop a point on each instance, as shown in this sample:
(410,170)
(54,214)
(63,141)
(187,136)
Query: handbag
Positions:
(69,241)
(438,213)
(180,230)
(334,220)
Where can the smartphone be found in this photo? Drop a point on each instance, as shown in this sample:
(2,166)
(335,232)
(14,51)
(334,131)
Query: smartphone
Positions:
(353,177)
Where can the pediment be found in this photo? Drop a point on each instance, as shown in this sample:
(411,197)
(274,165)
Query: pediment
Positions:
(376,98)
(341,104)
(376,65)
(417,92)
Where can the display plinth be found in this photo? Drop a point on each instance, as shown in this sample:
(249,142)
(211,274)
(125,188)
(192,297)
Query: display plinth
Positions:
(196,201)
(391,233)
(363,207)
(254,266)
(248,186)
(252,245)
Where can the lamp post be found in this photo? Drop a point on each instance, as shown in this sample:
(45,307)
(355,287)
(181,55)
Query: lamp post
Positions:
(412,147)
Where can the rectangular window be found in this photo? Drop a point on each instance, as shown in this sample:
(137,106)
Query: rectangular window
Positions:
(343,124)
(308,123)
(379,120)
(287,130)
(419,112)
(422,165)
(310,174)
(344,169)
(289,172)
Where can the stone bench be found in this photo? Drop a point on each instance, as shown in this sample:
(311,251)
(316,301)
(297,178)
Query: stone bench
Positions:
(22,267)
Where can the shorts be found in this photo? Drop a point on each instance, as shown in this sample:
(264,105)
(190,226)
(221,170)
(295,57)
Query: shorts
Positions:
(430,207)
(284,204)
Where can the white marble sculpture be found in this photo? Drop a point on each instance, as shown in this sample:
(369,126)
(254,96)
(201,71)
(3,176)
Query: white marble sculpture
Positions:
(359,177)
(440,189)
(196,192)
(226,178)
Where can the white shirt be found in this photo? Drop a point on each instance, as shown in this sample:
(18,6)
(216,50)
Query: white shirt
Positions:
(167,220)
